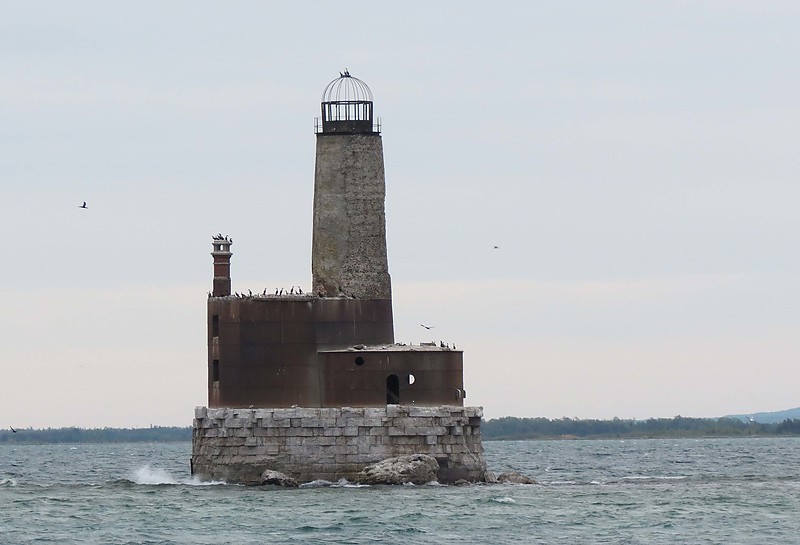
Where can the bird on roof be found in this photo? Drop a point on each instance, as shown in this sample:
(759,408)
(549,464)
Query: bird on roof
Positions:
(83,205)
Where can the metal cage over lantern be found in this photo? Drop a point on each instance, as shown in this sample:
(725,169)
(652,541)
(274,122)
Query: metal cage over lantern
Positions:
(347,107)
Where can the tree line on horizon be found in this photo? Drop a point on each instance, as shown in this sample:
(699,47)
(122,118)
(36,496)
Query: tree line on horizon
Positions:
(512,428)
(160,434)
(506,428)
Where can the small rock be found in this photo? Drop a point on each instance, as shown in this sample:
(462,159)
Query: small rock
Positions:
(513,477)
(411,468)
(489,477)
(277,478)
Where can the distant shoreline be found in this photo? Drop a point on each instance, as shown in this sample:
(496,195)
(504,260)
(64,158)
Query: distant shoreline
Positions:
(512,428)
(501,429)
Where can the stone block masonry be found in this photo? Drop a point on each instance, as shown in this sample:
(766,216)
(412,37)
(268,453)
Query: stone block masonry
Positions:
(237,445)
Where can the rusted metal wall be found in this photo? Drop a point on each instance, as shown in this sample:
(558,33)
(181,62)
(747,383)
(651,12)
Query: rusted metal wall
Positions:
(265,349)
(358,378)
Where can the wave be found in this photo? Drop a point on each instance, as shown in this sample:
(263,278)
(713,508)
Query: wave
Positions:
(8,482)
(147,475)
(341,483)
(640,478)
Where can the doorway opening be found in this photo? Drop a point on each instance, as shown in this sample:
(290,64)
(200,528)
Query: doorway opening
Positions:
(392,390)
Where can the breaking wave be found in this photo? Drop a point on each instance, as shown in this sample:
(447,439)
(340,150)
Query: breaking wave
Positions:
(153,476)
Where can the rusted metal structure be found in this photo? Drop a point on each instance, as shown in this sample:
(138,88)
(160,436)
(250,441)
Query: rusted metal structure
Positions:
(333,347)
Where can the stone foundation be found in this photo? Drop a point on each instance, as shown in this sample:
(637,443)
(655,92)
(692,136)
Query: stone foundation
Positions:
(237,445)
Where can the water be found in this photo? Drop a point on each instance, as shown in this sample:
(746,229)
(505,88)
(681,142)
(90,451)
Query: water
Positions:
(723,491)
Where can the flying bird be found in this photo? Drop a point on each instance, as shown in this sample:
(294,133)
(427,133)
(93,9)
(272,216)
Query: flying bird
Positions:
(83,205)
(427,326)
(13,430)
(496,247)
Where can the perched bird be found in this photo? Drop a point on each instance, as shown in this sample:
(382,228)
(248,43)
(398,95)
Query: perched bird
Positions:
(265,292)
(291,291)
(250,292)
(427,326)
(83,205)
(299,290)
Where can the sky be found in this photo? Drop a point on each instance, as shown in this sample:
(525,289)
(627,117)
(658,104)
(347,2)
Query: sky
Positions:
(635,163)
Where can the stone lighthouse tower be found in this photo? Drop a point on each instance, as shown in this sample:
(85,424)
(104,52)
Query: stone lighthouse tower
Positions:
(349,241)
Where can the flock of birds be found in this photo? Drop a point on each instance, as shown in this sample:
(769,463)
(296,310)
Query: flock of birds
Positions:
(442,344)
(278,291)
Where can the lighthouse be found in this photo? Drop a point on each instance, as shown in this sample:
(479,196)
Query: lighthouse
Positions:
(349,233)
(310,382)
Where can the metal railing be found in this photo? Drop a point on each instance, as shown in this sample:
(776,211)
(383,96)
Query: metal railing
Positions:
(376,125)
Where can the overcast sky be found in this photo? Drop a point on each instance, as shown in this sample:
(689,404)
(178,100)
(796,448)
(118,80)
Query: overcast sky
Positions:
(635,162)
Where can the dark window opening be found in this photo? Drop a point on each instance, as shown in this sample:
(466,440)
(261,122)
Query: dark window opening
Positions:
(215,325)
(359,360)
(215,371)
(392,390)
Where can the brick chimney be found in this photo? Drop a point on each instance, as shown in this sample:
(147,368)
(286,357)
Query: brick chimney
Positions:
(222,265)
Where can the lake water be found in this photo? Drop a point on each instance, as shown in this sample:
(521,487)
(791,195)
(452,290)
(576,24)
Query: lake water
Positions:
(723,491)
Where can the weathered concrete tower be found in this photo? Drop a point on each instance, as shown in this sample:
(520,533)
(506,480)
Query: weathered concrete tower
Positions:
(349,241)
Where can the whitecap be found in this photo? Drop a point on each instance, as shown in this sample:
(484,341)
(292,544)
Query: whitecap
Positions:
(148,475)
(504,499)
(344,483)
(197,481)
(8,482)
(154,476)
(318,483)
